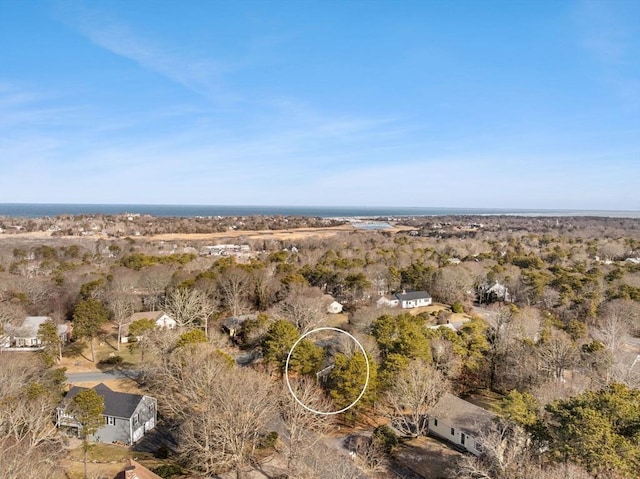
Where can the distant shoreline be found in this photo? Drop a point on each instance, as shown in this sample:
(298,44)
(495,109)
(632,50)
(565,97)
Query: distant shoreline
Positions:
(37,210)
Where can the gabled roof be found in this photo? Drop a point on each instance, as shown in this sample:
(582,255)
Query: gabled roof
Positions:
(411,295)
(31,324)
(461,414)
(116,404)
(153,315)
(233,322)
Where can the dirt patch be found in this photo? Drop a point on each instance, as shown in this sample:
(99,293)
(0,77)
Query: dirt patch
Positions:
(109,460)
(428,457)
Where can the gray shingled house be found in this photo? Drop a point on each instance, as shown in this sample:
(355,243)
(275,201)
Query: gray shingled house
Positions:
(127,417)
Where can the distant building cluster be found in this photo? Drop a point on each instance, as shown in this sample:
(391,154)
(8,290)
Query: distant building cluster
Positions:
(226,250)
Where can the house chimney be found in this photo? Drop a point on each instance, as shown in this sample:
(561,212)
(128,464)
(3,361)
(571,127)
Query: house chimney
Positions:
(404,291)
(130,472)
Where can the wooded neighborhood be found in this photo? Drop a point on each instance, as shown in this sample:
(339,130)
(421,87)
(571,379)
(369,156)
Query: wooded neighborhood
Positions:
(519,360)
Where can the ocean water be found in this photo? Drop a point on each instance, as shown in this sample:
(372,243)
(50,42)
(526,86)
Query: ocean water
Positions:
(37,210)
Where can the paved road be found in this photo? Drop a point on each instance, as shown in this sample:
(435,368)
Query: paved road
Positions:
(100,376)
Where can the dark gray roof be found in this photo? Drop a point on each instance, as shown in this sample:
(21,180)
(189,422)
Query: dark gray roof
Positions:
(233,322)
(461,414)
(410,295)
(115,404)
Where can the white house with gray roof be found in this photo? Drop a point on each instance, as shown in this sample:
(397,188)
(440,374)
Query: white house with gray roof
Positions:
(459,422)
(127,417)
(24,337)
(406,300)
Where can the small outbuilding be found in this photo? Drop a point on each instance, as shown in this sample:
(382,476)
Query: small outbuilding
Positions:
(334,308)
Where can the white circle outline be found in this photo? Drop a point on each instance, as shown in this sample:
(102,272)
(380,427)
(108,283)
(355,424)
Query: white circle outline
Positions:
(286,371)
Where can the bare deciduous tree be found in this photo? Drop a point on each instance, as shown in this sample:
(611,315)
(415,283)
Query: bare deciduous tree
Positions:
(302,428)
(415,390)
(615,322)
(452,283)
(235,285)
(120,299)
(154,281)
(189,307)
(505,454)
(10,314)
(222,410)
(29,444)
(304,308)
(558,354)
(265,289)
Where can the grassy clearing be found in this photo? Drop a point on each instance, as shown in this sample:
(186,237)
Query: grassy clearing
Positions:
(107,453)
(336,320)
(104,349)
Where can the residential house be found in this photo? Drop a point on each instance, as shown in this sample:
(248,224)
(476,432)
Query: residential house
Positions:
(162,320)
(460,422)
(405,300)
(24,337)
(492,293)
(231,325)
(127,417)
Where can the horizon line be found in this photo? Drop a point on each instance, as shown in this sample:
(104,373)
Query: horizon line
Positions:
(320,206)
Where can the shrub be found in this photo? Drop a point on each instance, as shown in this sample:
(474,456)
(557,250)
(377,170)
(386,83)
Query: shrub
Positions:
(112,361)
(457,308)
(162,452)
(386,437)
(167,471)
(268,441)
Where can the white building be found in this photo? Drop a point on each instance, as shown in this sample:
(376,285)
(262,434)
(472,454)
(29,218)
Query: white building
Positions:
(460,422)
(162,320)
(25,336)
(406,300)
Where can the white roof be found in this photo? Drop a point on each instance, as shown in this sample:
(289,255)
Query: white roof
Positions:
(30,325)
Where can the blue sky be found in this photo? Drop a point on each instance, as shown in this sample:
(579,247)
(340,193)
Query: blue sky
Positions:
(514,104)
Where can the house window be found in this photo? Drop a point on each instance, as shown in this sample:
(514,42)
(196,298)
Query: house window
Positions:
(462,438)
(435,422)
(453,432)
(110,420)
(151,408)
(135,420)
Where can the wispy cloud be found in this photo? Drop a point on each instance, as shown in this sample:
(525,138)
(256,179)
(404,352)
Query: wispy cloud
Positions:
(202,76)
(609,30)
